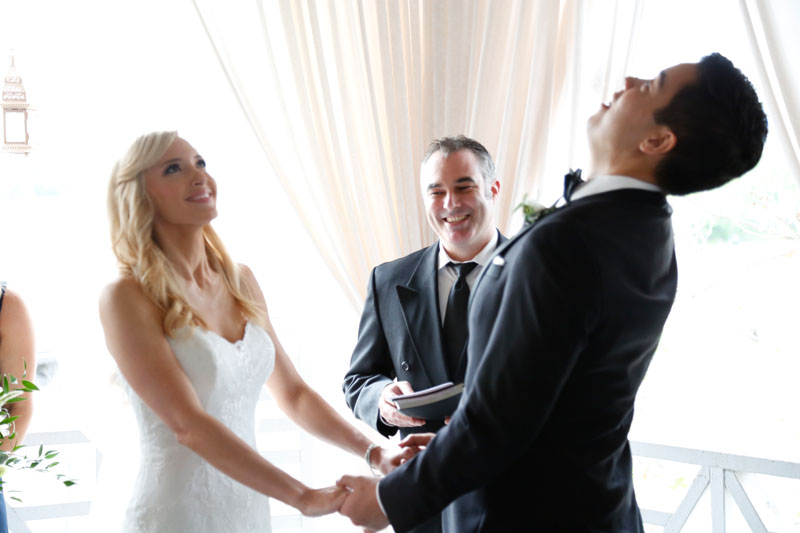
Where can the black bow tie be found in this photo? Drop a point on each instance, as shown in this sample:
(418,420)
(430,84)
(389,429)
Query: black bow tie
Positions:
(571,182)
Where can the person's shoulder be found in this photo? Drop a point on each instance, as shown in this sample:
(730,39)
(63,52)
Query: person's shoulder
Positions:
(125,296)
(560,233)
(402,264)
(12,299)
(249,284)
(13,305)
(122,288)
(247,276)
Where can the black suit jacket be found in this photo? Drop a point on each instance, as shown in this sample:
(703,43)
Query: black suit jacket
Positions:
(400,336)
(563,325)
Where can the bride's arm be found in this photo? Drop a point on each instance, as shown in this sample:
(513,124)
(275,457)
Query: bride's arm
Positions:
(308,409)
(135,338)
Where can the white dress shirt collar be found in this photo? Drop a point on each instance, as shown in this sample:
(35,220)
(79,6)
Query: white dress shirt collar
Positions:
(482,258)
(610,182)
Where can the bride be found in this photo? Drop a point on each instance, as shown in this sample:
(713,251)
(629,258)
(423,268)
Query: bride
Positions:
(190,333)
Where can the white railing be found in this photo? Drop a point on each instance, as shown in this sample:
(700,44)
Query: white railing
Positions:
(18,516)
(719,472)
(286,457)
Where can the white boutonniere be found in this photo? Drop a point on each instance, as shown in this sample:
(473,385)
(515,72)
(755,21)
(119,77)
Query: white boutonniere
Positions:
(533,211)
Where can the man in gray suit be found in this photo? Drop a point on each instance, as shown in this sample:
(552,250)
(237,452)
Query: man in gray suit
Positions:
(412,331)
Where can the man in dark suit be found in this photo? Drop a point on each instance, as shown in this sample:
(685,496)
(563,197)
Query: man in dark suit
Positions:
(564,322)
(411,337)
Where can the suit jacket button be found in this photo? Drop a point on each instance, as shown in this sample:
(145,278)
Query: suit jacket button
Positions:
(404,366)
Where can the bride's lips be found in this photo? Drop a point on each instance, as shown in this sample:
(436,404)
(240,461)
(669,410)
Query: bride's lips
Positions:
(200,197)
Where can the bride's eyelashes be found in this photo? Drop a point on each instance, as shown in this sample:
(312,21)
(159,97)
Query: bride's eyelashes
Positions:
(172,168)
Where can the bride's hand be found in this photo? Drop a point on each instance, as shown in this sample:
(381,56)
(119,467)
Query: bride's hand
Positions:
(318,502)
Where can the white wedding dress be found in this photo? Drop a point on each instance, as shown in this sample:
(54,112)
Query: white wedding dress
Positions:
(176,490)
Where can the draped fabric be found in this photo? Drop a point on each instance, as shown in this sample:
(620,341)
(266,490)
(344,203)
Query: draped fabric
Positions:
(772,30)
(345,96)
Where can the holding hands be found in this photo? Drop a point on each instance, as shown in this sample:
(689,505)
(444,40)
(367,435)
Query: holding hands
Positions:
(361,504)
(385,460)
(361,501)
(319,502)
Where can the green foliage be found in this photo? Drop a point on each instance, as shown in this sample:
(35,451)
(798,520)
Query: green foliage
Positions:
(533,211)
(20,461)
(763,205)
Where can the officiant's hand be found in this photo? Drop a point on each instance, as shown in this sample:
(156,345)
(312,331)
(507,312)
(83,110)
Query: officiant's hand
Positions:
(318,502)
(416,442)
(388,409)
(361,505)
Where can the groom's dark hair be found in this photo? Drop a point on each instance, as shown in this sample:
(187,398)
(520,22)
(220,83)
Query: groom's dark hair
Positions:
(450,145)
(720,128)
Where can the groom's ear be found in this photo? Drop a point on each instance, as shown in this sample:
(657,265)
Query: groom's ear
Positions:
(659,141)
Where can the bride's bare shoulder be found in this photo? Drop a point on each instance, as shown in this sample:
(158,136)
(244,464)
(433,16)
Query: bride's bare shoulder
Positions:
(124,297)
(249,282)
(119,290)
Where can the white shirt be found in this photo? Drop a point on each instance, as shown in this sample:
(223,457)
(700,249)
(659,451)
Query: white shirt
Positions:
(610,182)
(448,276)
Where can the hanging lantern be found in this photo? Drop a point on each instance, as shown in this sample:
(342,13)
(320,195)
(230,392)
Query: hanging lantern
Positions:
(15,114)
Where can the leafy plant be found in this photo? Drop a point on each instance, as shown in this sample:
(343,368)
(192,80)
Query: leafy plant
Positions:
(43,461)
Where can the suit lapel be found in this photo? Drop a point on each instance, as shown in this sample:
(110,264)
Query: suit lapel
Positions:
(419,299)
(502,244)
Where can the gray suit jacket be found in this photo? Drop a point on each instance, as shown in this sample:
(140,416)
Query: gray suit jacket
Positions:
(400,336)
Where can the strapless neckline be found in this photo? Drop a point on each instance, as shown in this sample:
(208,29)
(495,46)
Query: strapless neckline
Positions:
(247,326)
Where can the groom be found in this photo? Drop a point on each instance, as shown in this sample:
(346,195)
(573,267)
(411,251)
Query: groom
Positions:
(564,322)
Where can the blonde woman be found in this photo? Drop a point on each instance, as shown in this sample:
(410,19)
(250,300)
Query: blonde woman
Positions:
(190,333)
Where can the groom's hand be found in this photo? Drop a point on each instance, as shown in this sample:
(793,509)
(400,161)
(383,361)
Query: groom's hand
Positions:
(361,505)
(388,409)
(416,442)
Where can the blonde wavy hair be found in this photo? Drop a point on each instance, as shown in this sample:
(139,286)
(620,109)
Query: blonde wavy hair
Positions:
(131,216)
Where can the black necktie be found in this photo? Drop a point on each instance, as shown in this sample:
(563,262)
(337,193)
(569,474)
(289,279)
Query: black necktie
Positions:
(571,182)
(454,330)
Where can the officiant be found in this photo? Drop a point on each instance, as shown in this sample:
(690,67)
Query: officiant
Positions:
(413,328)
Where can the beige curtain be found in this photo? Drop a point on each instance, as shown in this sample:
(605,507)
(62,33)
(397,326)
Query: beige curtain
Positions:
(344,96)
(772,30)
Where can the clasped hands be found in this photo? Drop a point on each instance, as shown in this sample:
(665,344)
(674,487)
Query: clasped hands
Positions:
(360,504)
(356,496)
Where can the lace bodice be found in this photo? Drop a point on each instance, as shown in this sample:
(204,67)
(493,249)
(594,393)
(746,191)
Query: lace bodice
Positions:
(176,490)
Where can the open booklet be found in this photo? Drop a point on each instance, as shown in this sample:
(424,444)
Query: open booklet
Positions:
(434,403)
